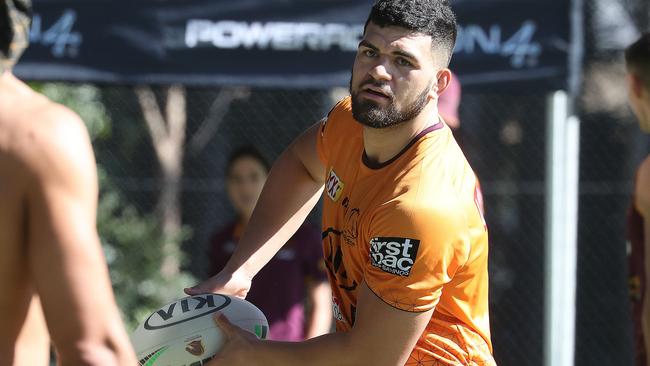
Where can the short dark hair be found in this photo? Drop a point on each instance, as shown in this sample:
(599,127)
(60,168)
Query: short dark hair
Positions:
(430,17)
(637,58)
(246,151)
(15,20)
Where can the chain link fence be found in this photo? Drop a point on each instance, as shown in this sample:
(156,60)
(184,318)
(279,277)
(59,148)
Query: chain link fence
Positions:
(503,136)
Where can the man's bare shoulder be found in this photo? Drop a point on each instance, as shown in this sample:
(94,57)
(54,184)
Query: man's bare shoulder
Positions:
(41,135)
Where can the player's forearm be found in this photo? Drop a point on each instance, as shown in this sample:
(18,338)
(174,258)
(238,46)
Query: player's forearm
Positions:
(89,339)
(96,354)
(108,345)
(287,198)
(334,349)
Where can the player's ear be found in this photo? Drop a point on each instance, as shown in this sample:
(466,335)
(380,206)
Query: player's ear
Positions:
(443,79)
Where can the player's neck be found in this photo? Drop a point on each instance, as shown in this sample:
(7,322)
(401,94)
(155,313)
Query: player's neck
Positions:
(10,85)
(382,144)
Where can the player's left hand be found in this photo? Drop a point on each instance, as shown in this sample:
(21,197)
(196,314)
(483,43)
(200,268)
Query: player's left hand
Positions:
(238,346)
(225,282)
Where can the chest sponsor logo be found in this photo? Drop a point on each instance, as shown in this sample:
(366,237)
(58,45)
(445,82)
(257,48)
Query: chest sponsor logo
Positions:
(394,255)
(334,186)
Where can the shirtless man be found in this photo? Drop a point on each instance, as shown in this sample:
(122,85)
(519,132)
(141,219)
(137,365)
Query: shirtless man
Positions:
(52,271)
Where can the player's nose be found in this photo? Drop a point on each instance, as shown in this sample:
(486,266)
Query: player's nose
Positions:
(380,72)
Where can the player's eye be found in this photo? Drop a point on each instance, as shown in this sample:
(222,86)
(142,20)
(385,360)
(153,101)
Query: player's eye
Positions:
(369,52)
(401,61)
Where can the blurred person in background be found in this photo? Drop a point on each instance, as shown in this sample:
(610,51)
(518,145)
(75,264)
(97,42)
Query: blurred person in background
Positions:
(637,59)
(449,102)
(53,276)
(292,290)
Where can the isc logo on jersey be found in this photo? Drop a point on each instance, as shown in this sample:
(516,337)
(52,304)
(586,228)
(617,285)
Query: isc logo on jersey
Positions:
(334,186)
(394,255)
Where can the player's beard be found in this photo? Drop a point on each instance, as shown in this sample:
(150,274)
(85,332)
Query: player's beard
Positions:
(371,114)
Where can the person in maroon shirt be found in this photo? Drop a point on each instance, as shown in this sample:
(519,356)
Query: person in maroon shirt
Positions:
(637,59)
(294,277)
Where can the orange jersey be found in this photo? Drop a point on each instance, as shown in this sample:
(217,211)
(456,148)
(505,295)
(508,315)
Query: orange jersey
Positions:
(412,230)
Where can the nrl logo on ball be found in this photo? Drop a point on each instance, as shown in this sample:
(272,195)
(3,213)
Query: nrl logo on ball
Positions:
(195,348)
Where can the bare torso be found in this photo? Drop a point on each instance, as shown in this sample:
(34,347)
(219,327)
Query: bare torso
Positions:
(23,334)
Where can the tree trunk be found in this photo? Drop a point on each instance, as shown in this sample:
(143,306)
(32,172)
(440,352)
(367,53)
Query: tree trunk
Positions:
(168,137)
(167,133)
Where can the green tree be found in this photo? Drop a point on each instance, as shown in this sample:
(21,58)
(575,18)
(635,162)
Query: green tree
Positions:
(132,245)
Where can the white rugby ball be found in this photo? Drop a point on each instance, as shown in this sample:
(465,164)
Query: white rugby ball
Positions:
(182,333)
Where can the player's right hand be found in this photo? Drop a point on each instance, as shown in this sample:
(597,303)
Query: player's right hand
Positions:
(224,282)
(239,345)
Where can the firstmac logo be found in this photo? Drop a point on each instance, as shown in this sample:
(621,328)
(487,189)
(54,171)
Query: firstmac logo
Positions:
(394,255)
(334,186)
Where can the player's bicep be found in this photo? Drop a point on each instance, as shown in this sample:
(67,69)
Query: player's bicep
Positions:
(305,149)
(65,257)
(385,335)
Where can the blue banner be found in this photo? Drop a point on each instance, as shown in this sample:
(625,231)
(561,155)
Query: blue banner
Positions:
(275,43)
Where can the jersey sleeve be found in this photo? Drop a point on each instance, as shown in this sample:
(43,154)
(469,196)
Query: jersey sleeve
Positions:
(414,252)
(330,132)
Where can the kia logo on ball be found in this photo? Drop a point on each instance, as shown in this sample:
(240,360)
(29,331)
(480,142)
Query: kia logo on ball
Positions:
(164,318)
